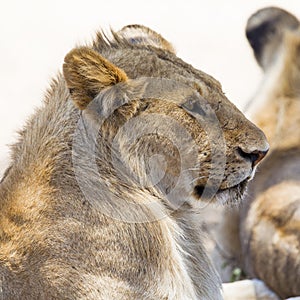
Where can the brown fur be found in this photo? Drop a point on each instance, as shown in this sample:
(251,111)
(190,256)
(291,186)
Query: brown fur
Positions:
(91,73)
(68,231)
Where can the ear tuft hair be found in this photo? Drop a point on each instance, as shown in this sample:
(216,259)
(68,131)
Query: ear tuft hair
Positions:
(86,73)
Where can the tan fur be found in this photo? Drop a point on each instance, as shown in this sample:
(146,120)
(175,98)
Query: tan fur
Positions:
(72,231)
(270,216)
(272,224)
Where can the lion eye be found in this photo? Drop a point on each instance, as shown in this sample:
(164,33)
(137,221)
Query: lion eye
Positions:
(193,106)
(189,105)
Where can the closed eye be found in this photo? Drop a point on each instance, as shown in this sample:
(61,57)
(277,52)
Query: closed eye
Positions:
(193,107)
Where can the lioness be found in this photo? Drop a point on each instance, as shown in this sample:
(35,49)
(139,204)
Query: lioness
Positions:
(101,199)
(269,220)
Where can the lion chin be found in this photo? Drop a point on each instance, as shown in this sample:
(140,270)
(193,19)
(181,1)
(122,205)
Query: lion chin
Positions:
(231,196)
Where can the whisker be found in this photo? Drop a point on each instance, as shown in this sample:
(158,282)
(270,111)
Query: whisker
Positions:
(195,168)
(197,178)
(191,169)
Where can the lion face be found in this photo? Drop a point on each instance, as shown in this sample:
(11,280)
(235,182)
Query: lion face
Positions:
(162,125)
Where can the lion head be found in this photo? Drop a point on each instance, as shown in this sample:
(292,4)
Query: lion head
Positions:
(166,122)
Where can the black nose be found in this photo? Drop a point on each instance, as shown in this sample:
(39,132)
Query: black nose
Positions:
(255,156)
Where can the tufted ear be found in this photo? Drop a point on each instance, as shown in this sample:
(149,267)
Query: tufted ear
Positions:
(86,73)
(142,35)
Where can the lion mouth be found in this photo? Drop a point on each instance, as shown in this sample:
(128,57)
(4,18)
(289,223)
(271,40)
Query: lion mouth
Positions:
(230,194)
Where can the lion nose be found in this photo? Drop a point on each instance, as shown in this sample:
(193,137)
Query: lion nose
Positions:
(254,156)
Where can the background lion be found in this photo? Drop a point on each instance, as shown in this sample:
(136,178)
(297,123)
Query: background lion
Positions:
(269,220)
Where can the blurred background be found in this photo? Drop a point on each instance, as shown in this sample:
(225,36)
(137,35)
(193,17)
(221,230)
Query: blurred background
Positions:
(37,34)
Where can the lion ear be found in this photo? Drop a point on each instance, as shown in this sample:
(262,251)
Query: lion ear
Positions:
(86,73)
(142,35)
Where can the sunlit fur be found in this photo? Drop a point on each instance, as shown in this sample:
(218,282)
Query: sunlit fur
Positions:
(67,230)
